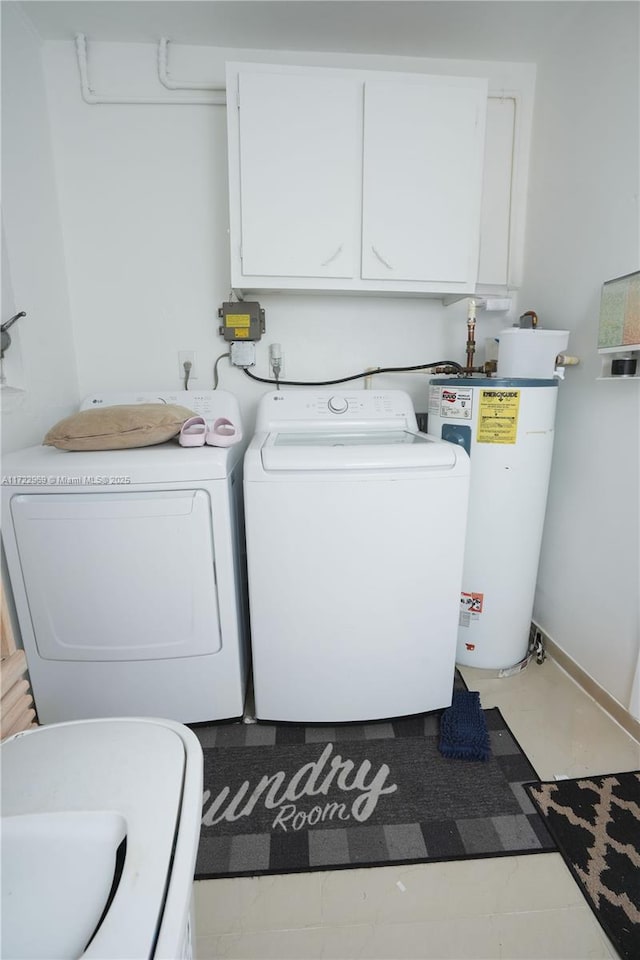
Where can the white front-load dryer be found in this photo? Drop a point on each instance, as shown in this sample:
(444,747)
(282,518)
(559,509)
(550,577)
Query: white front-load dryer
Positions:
(128,574)
(355,525)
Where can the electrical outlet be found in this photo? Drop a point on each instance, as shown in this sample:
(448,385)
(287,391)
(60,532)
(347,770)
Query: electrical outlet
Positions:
(189,356)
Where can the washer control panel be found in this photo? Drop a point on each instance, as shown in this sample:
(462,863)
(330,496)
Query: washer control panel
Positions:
(338,404)
(314,406)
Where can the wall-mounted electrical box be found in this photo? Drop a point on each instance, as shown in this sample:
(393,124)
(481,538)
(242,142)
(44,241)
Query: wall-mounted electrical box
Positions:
(243,320)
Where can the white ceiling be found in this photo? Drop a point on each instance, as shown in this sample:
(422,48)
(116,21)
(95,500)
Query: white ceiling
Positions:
(496,30)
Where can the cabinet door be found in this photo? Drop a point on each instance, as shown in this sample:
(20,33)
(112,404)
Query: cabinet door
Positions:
(423,152)
(495,224)
(299,145)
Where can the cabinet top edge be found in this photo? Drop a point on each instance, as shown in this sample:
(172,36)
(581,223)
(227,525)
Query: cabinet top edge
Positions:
(235,67)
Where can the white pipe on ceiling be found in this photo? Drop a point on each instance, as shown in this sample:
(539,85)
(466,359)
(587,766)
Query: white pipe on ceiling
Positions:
(165,77)
(89,95)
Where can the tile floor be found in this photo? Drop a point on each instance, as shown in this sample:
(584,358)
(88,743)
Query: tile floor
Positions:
(513,907)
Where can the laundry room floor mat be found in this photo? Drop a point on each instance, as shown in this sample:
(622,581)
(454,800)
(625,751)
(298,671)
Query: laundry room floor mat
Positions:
(283,798)
(596,824)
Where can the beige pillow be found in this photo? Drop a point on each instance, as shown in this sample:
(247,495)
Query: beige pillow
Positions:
(118,427)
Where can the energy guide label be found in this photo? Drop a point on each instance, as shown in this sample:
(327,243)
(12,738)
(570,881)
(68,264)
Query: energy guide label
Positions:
(498,416)
(451,402)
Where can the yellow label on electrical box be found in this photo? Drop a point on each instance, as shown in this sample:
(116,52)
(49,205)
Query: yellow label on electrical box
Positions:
(241,334)
(498,416)
(237,320)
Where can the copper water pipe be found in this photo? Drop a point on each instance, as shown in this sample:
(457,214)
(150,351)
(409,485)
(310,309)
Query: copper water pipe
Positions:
(471,341)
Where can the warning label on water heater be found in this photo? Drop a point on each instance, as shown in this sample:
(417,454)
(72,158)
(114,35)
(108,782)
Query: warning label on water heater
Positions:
(451,402)
(498,416)
(471,605)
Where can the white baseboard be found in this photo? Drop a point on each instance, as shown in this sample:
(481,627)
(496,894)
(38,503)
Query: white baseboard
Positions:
(608,703)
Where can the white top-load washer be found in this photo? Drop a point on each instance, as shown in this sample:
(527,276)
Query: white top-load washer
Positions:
(128,573)
(355,525)
(100,828)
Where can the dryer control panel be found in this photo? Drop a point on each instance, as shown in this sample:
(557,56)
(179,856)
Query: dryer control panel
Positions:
(205,403)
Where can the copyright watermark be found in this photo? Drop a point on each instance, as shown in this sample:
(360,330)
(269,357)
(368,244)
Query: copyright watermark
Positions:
(36,480)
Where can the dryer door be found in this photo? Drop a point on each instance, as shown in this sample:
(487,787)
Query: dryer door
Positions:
(122,576)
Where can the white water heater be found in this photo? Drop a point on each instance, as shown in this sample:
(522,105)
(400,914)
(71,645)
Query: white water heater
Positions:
(507,428)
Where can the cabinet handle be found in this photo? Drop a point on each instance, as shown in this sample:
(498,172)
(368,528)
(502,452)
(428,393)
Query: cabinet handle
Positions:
(333,257)
(381,259)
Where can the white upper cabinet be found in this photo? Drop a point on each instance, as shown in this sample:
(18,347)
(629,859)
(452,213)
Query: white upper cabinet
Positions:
(299,153)
(346,180)
(496,269)
(423,141)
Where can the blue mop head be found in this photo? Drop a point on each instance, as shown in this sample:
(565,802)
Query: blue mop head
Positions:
(463,728)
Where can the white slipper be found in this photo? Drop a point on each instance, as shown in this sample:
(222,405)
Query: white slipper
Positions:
(223,433)
(193,432)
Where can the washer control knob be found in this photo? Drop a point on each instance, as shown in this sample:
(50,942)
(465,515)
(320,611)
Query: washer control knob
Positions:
(338,404)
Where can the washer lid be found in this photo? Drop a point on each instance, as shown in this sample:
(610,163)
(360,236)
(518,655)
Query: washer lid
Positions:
(355,450)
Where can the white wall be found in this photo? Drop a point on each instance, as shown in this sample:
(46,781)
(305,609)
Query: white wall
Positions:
(582,230)
(41,359)
(145,213)
(144,216)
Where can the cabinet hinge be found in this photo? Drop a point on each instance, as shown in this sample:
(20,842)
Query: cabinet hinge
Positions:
(240,251)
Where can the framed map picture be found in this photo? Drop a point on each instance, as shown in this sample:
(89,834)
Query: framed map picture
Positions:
(620,314)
